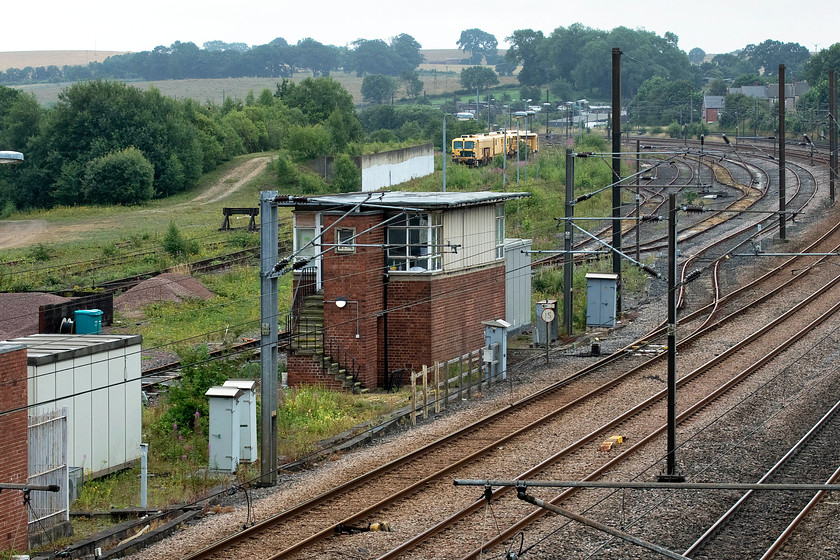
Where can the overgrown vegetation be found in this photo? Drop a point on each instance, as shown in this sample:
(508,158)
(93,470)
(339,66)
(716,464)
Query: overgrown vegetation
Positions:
(176,429)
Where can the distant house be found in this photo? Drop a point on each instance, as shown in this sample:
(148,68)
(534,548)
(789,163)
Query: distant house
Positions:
(712,107)
(770,92)
(394,281)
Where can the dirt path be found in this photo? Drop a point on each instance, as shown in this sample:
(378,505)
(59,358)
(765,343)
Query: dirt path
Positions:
(21,233)
(228,184)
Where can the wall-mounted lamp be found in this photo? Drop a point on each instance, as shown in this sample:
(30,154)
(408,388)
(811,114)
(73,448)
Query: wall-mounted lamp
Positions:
(341,302)
(11,157)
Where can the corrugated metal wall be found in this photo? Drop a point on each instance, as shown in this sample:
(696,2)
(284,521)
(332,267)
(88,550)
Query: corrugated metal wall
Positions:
(474,230)
(517,284)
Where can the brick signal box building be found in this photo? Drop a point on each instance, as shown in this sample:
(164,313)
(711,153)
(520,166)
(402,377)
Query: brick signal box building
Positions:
(392,281)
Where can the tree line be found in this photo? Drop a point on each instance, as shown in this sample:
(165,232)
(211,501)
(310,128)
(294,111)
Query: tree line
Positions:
(222,60)
(107,142)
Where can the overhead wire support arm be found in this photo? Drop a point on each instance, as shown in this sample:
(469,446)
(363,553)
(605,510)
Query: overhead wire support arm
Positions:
(612,249)
(589,195)
(282,267)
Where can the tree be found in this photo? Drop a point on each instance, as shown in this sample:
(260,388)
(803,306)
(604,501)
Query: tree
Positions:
(124,177)
(819,65)
(480,44)
(287,174)
(374,57)
(408,49)
(750,80)
(478,77)
(412,84)
(94,119)
(317,98)
(319,58)
(308,142)
(524,45)
(378,88)
(696,55)
(660,102)
(737,108)
(347,177)
(505,67)
(717,87)
(769,54)
(731,65)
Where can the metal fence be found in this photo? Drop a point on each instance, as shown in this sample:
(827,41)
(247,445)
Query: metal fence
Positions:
(47,447)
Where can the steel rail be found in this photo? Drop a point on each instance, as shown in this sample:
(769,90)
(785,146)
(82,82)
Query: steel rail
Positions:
(714,529)
(689,412)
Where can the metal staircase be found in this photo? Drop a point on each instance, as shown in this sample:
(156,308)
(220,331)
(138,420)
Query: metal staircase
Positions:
(308,337)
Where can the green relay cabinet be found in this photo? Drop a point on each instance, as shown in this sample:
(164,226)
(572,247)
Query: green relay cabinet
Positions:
(88,321)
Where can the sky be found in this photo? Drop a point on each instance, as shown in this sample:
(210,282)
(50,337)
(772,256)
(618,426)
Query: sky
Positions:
(716,26)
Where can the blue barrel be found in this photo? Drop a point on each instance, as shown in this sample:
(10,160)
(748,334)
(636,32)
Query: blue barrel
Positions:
(88,321)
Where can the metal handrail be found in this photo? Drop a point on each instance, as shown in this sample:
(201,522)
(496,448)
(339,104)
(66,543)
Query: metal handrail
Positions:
(341,356)
(318,339)
(306,286)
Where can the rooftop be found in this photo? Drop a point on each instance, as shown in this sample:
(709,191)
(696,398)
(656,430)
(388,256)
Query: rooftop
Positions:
(47,348)
(399,200)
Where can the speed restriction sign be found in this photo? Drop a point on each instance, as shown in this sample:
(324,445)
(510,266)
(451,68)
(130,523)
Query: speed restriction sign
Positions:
(547,314)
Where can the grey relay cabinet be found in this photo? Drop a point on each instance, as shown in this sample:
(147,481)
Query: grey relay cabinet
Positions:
(601,299)
(224,428)
(248,418)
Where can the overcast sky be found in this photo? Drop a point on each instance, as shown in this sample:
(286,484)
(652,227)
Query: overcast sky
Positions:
(716,26)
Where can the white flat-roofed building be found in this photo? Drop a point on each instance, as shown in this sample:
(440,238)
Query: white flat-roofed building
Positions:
(97,377)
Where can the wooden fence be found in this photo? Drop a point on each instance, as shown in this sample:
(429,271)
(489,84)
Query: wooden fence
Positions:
(455,379)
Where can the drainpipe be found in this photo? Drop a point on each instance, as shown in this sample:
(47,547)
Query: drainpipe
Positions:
(386,278)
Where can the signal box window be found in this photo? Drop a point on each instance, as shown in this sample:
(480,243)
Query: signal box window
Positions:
(344,240)
(414,243)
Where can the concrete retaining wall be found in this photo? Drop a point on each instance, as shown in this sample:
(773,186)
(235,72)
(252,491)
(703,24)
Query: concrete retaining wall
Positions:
(386,169)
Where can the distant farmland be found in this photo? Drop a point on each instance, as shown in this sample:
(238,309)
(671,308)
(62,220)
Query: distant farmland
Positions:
(439,75)
(22,59)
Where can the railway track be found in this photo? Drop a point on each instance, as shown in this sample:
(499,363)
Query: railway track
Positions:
(325,515)
(758,523)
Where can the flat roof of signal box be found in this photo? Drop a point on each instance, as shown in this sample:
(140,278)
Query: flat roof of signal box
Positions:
(400,200)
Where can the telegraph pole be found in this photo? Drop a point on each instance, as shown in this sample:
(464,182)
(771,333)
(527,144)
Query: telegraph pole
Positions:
(671,474)
(832,127)
(616,166)
(568,260)
(269,231)
(782,232)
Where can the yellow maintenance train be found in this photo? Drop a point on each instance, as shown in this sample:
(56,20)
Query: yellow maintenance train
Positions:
(480,149)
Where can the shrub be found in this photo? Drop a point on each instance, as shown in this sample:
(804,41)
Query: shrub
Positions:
(123,177)
(347,177)
(175,244)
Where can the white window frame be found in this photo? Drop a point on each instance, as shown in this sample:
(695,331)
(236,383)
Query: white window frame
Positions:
(500,231)
(415,243)
(344,242)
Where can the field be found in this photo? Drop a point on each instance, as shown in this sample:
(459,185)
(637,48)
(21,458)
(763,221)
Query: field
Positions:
(439,76)
(22,59)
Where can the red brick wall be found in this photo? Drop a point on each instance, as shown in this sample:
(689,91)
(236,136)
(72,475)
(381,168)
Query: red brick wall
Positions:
(356,277)
(438,318)
(13,466)
(304,369)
